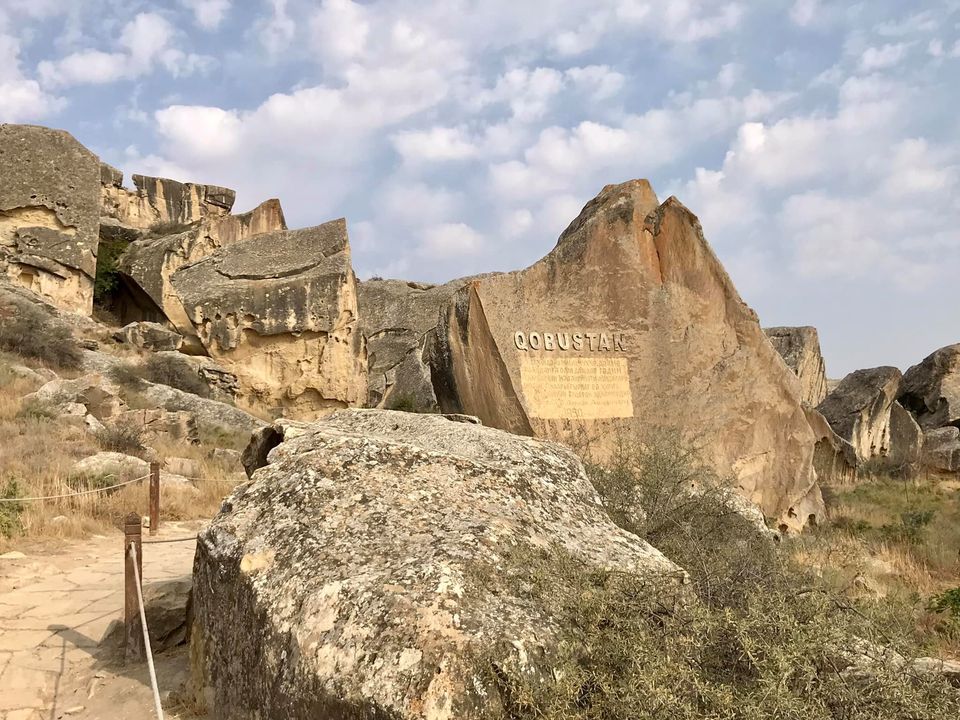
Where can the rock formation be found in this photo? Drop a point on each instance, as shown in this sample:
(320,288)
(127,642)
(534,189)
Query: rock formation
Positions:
(340,582)
(800,349)
(149,336)
(834,459)
(398,320)
(49,210)
(159,201)
(931,389)
(279,310)
(631,322)
(863,410)
(147,264)
(941,449)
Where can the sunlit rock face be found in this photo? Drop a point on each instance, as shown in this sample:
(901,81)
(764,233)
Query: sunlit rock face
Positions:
(800,349)
(342,580)
(279,311)
(49,214)
(631,322)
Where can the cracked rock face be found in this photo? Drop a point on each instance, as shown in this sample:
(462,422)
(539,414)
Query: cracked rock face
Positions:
(339,582)
(631,322)
(398,319)
(800,349)
(279,311)
(160,200)
(931,389)
(49,214)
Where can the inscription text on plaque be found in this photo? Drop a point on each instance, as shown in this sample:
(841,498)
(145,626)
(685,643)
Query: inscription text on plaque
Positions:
(559,387)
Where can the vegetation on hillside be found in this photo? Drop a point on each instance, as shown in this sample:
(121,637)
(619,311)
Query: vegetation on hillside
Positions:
(27,330)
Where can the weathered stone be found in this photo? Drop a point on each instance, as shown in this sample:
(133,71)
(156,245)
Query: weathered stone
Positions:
(207,413)
(149,336)
(147,265)
(279,310)
(630,322)
(99,396)
(159,201)
(941,449)
(109,175)
(800,349)
(166,603)
(49,199)
(187,467)
(256,454)
(338,582)
(931,389)
(156,423)
(398,320)
(859,410)
(222,384)
(906,441)
(112,464)
(834,459)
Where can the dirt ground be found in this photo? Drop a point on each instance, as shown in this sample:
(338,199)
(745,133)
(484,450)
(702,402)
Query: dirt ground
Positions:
(57,604)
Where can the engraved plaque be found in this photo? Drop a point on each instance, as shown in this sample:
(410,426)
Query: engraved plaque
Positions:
(576,388)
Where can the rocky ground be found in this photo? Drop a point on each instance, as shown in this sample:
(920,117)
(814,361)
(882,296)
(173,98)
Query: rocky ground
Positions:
(59,605)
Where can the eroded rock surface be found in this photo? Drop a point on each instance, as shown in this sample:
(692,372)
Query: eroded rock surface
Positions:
(337,583)
(398,320)
(931,389)
(941,449)
(859,411)
(631,322)
(49,214)
(279,310)
(834,459)
(149,336)
(157,201)
(800,349)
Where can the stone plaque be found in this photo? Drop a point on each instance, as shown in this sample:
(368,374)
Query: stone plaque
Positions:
(576,388)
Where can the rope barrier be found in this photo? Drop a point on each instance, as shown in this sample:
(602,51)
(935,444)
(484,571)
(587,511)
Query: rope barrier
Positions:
(74,494)
(171,540)
(146,635)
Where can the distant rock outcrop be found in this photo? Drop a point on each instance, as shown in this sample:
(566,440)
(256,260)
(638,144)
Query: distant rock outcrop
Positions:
(941,449)
(338,582)
(49,214)
(800,349)
(632,322)
(931,389)
(159,201)
(279,310)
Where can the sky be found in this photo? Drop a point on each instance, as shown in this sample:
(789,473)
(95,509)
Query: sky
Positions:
(817,141)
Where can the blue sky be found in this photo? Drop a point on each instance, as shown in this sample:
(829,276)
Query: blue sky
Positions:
(818,141)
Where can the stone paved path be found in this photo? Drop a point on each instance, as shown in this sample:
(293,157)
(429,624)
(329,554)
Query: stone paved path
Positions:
(55,607)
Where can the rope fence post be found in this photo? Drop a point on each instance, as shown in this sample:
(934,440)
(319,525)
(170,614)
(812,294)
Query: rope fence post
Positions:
(133,632)
(154,497)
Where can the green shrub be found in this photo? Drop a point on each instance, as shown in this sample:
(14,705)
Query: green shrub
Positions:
(175,372)
(39,410)
(27,330)
(107,279)
(126,439)
(10,511)
(948,602)
(911,528)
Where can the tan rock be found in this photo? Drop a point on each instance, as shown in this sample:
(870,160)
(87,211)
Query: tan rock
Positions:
(156,201)
(631,322)
(800,349)
(931,389)
(941,449)
(93,393)
(859,411)
(147,265)
(834,459)
(279,311)
(49,198)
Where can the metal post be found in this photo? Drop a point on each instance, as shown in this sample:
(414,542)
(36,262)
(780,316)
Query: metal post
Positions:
(133,630)
(154,497)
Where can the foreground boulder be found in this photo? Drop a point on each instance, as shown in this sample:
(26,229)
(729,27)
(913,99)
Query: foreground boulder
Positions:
(631,322)
(49,214)
(279,310)
(931,389)
(337,583)
(800,349)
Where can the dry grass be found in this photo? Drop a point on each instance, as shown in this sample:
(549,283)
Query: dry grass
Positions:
(38,453)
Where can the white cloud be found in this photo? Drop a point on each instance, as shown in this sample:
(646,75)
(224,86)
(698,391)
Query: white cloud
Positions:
(434,145)
(340,29)
(600,81)
(200,132)
(804,12)
(450,240)
(880,58)
(208,14)
(22,98)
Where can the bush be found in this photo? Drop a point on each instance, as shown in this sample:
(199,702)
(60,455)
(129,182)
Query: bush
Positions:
(39,410)
(911,528)
(10,511)
(107,279)
(126,439)
(27,330)
(948,602)
(127,375)
(660,489)
(177,373)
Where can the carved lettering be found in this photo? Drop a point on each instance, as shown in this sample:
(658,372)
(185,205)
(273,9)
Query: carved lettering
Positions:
(521,340)
(548,341)
(535,341)
(576,387)
(578,341)
(564,341)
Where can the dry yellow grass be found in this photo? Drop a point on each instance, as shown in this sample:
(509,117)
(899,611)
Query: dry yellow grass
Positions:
(38,454)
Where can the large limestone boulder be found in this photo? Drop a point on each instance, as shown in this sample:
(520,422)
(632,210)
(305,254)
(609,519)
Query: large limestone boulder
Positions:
(834,459)
(931,389)
(800,349)
(337,583)
(941,449)
(148,263)
(631,322)
(98,395)
(49,214)
(859,411)
(279,310)
(159,201)
(207,413)
(149,336)
(398,320)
